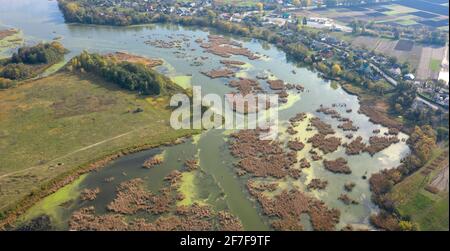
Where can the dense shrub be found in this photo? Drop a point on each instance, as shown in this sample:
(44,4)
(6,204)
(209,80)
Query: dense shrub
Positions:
(131,76)
(40,54)
(6,83)
(15,71)
(28,62)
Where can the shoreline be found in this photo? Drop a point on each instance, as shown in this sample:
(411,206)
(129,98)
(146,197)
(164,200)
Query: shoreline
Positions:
(371,113)
(59,182)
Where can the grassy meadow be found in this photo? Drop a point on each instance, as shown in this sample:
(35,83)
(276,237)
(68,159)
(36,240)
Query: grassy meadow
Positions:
(53,125)
(428,210)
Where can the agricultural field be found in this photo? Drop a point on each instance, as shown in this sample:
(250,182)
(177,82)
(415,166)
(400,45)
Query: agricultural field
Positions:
(430,62)
(435,65)
(406,15)
(53,125)
(433,6)
(393,14)
(443,74)
(424,195)
(426,60)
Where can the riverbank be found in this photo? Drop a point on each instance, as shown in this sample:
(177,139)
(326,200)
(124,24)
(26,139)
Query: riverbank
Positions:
(66,121)
(377,109)
(70,177)
(29,63)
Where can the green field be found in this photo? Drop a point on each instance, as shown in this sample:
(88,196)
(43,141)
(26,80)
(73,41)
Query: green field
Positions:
(396,9)
(435,65)
(403,20)
(53,125)
(400,14)
(428,210)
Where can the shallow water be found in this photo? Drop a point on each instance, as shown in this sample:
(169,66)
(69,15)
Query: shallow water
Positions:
(217,184)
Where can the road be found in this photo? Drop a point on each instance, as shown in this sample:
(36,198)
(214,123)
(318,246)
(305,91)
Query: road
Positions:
(384,75)
(433,106)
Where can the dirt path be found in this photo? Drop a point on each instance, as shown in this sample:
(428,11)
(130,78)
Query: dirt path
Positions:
(71,153)
(441,180)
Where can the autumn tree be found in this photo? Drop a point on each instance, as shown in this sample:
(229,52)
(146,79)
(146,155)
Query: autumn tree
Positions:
(260,7)
(423,142)
(322,67)
(69,9)
(16,71)
(407,226)
(211,15)
(39,54)
(336,70)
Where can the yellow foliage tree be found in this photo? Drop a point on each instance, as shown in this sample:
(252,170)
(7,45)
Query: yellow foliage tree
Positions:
(336,69)
(423,142)
(72,7)
(407,226)
(260,6)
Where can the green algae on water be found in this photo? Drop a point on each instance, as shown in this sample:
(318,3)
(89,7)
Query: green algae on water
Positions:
(53,205)
(189,190)
(183,81)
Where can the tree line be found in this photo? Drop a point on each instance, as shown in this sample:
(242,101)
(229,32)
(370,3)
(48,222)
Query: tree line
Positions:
(130,76)
(43,53)
(29,61)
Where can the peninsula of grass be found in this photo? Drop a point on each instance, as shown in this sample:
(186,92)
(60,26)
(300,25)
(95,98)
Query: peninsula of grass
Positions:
(53,126)
(29,62)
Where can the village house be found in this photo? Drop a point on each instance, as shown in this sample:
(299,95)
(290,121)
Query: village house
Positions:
(409,76)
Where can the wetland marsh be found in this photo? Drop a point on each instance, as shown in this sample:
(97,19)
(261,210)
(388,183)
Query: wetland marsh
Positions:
(217,182)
